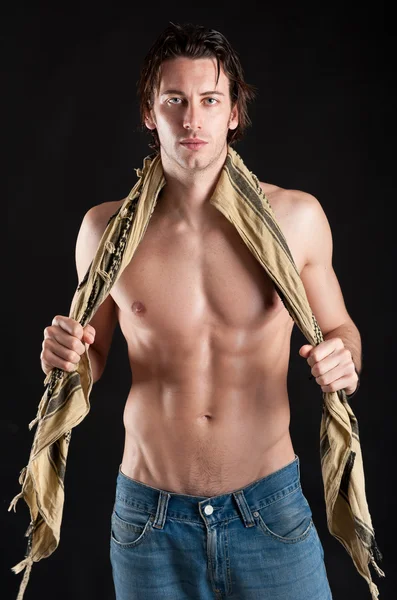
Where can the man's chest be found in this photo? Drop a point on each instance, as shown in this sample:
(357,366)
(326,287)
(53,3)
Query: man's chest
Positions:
(179,277)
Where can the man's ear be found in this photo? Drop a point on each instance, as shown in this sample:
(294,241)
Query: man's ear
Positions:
(149,119)
(233,120)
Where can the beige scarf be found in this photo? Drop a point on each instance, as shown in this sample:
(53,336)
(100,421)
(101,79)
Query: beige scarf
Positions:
(65,403)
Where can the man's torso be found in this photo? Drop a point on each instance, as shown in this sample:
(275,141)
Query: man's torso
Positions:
(208,342)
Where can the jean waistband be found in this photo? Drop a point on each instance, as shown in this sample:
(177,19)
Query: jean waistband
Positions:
(211,509)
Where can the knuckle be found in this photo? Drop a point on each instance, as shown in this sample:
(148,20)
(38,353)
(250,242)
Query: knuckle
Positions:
(77,330)
(347,354)
(75,347)
(71,356)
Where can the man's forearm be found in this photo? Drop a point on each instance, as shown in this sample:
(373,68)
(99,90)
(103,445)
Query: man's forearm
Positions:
(351,338)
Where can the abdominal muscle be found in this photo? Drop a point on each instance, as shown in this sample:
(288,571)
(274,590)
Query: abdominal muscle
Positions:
(213,430)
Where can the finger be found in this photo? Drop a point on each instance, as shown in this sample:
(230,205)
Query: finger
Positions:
(336,385)
(69,325)
(62,338)
(89,334)
(332,376)
(303,351)
(51,359)
(90,329)
(325,348)
(326,365)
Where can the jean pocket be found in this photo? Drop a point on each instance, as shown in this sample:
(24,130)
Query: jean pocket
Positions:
(129,526)
(287,519)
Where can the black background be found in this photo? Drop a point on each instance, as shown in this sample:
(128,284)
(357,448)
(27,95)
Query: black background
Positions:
(323,122)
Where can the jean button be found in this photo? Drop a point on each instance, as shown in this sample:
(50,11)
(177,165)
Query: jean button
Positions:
(208,509)
(256,514)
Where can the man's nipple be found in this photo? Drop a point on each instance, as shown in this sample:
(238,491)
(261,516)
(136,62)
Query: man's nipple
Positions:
(138,308)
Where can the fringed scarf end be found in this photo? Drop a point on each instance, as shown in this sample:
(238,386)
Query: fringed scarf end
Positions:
(26,564)
(373,589)
(33,423)
(376,555)
(14,501)
(21,479)
(21,565)
(377,569)
(375,552)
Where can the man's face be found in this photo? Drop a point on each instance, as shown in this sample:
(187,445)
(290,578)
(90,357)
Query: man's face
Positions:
(190,105)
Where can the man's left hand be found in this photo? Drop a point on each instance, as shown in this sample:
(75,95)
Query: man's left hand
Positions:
(332,365)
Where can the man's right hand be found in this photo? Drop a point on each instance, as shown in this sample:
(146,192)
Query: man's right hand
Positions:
(63,343)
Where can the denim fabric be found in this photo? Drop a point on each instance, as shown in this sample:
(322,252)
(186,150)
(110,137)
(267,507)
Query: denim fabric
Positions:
(255,543)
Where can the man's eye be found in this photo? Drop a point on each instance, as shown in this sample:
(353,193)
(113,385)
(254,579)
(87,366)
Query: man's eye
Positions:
(176,100)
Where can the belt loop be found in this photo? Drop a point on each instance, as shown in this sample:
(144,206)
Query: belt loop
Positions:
(162,506)
(245,510)
(298,466)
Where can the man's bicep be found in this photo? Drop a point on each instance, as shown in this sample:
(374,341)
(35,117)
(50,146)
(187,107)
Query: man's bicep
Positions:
(322,287)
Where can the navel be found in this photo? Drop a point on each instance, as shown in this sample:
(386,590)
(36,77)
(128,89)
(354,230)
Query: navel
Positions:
(206,417)
(138,308)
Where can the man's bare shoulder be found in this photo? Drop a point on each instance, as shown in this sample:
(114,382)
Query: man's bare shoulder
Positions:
(303,221)
(97,217)
(278,193)
(290,202)
(91,229)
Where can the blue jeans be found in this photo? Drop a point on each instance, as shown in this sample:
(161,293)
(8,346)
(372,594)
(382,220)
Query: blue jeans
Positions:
(255,543)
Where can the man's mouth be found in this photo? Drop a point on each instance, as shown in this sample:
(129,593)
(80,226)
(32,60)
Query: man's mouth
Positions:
(193,143)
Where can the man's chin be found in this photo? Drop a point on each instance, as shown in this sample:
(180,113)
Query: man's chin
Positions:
(190,160)
(193,163)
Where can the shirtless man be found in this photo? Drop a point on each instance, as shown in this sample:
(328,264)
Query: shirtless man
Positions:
(208,343)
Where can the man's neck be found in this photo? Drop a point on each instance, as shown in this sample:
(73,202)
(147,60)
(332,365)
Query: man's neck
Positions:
(186,194)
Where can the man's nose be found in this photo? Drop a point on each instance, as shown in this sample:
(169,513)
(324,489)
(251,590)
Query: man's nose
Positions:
(192,118)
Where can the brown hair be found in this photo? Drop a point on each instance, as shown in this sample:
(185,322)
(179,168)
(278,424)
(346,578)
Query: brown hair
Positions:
(194,41)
